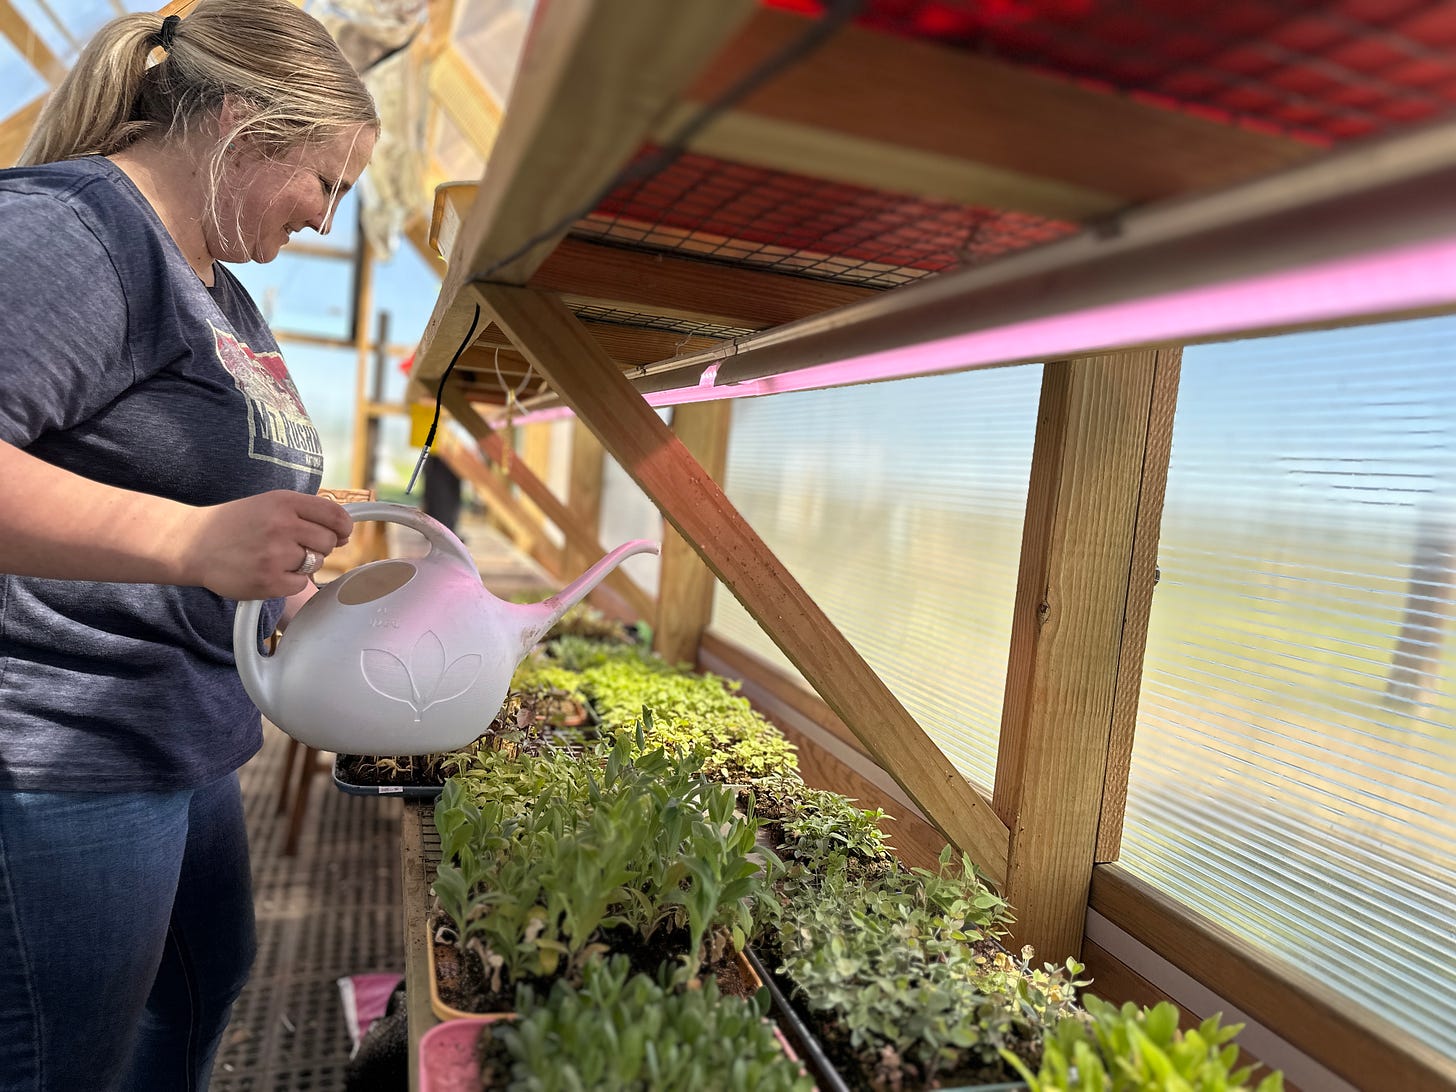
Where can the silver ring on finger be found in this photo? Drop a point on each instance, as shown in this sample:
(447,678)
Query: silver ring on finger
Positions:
(312,560)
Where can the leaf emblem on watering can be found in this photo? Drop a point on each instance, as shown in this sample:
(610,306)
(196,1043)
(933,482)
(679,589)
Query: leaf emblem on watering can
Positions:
(426,680)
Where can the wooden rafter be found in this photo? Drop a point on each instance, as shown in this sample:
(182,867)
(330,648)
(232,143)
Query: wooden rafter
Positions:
(627,345)
(910,117)
(650,282)
(592,384)
(460,92)
(15,131)
(30,45)
(659,284)
(596,85)
(439,27)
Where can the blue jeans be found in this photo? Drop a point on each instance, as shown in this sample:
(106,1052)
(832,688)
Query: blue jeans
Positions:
(126,933)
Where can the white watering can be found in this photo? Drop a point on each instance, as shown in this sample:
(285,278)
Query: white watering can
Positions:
(403,656)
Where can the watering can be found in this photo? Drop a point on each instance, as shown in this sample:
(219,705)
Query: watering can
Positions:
(402,656)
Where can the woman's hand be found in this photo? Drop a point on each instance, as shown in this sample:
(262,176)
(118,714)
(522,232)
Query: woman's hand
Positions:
(253,548)
(60,526)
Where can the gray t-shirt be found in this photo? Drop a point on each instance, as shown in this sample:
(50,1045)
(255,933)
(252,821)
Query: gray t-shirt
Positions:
(118,364)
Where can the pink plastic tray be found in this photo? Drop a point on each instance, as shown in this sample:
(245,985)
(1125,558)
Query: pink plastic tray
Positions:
(447,1056)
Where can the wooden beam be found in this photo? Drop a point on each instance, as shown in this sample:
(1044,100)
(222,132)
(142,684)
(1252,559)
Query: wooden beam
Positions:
(591,86)
(325,341)
(627,345)
(462,94)
(584,492)
(1142,580)
(702,291)
(416,230)
(523,528)
(591,383)
(685,587)
(912,117)
(584,538)
(308,248)
(1077,622)
(361,472)
(30,45)
(15,130)
(651,282)
(1367,1049)
(439,27)
(534,453)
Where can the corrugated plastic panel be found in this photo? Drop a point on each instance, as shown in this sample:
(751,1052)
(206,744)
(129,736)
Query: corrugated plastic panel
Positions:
(1294,771)
(899,507)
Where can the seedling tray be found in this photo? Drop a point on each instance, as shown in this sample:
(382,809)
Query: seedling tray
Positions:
(447,1054)
(353,788)
(438,1006)
(811,1052)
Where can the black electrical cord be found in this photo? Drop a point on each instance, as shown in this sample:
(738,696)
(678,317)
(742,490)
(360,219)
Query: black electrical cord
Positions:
(439,399)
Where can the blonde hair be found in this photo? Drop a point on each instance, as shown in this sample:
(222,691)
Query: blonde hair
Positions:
(282,73)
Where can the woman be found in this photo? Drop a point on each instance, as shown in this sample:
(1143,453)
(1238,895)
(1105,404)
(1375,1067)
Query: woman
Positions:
(155,466)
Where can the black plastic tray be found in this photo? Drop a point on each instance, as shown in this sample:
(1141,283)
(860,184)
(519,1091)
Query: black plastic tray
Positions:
(811,1053)
(416,792)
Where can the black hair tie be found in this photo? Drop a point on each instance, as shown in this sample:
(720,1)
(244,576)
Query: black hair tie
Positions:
(168,34)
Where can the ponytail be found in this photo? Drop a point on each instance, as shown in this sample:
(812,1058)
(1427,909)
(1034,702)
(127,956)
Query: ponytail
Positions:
(93,110)
(276,64)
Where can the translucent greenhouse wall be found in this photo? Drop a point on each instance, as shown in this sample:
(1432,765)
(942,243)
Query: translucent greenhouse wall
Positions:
(899,506)
(1294,771)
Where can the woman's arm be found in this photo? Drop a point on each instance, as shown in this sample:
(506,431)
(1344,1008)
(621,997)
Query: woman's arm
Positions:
(62,526)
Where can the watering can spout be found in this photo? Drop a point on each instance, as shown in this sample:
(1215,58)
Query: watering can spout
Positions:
(548,612)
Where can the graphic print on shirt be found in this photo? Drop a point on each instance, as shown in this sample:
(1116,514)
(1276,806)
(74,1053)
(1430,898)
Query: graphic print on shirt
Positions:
(279,429)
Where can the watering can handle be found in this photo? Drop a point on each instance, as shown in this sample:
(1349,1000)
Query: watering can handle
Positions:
(440,537)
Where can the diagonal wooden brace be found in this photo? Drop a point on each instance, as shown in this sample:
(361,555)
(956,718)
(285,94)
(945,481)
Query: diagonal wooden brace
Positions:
(581,537)
(556,343)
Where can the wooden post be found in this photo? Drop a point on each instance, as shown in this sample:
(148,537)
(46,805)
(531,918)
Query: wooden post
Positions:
(685,589)
(584,494)
(535,456)
(592,384)
(1079,627)
(360,470)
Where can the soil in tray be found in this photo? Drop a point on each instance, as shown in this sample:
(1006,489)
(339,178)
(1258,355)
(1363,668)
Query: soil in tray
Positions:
(371,770)
(462,985)
(423,771)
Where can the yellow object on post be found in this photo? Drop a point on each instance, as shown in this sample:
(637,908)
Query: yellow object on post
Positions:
(420,416)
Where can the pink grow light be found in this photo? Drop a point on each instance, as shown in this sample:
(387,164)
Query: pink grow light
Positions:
(1402,279)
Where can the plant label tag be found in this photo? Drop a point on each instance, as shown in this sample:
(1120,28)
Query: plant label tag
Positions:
(383,789)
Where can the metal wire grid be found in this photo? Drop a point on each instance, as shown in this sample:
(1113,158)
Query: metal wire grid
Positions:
(619,317)
(742,215)
(332,910)
(1327,70)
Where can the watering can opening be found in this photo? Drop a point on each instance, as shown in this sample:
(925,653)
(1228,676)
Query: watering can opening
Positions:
(375,581)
